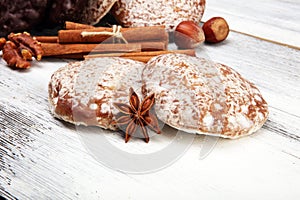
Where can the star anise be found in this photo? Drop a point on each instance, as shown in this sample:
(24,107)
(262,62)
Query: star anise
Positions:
(137,115)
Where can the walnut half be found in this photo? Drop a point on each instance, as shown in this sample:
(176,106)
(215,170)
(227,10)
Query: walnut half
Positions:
(12,56)
(19,49)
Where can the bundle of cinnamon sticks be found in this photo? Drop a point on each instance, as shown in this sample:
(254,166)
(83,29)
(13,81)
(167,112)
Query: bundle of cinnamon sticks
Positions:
(80,41)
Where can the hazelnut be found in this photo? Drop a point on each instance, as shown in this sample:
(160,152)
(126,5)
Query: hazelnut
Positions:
(216,30)
(188,35)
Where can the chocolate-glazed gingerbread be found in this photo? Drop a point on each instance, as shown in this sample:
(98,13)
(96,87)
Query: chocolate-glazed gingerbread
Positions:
(20,15)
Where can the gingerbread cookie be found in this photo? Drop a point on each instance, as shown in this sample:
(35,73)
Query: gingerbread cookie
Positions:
(83,93)
(198,96)
(135,13)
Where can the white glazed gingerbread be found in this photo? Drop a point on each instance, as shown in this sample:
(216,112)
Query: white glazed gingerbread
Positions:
(83,92)
(198,96)
(135,13)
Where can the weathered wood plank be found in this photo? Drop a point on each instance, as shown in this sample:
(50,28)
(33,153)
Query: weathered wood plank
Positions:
(275,70)
(44,158)
(270,19)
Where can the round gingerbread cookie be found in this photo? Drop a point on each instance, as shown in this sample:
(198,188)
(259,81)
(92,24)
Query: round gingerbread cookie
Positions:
(135,13)
(83,92)
(198,96)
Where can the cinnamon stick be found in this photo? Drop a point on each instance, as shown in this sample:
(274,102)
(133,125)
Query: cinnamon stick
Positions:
(51,49)
(139,56)
(154,46)
(77,26)
(151,33)
(77,56)
(81,56)
(142,56)
(47,39)
(54,49)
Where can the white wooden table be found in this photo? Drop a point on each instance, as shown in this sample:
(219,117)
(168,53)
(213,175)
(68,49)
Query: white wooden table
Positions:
(44,158)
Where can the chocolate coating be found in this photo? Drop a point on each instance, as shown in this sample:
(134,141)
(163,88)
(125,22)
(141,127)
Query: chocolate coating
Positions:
(82,11)
(20,15)
(62,10)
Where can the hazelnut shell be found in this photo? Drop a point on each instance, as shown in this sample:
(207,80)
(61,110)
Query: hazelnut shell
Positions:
(216,30)
(188,35)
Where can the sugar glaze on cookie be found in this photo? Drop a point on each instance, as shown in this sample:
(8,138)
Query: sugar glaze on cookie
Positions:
(198,96)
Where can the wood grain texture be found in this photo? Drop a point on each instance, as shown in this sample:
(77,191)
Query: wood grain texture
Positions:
(44,158)
(274,20)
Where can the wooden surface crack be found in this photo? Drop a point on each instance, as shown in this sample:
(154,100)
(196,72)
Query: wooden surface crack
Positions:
(280,129)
